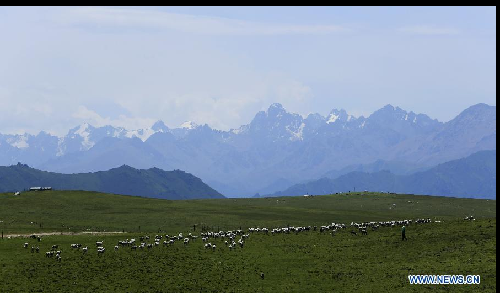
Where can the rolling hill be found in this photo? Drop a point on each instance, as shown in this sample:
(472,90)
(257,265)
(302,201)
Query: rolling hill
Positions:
(125,180)
(473,176)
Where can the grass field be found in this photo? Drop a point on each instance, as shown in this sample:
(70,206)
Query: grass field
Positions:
(305,262)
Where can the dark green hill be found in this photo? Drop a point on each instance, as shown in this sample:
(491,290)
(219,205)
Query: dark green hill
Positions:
(473,176)
(125,180)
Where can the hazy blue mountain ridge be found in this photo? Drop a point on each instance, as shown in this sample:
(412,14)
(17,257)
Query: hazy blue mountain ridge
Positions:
(473,176)
(276,147)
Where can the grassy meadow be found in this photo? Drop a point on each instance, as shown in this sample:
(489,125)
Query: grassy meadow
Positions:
(304,262)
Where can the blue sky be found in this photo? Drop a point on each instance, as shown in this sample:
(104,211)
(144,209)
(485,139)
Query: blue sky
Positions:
(131,66)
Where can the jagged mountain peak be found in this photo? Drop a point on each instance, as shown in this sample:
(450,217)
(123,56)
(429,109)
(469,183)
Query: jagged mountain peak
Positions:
(189,125)
(337,115)
(391,114)
(81,129)
(276,106)
(160,126)
(276,110)
(477,111)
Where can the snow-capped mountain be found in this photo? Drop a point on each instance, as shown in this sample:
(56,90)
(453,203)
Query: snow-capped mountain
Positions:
(275,149)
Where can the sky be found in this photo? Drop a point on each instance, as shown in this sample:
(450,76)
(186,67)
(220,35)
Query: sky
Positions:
(131,66)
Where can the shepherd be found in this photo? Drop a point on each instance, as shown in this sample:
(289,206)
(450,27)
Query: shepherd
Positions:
(403,234)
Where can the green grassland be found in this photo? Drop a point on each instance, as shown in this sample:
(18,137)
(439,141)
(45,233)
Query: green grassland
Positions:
(304,262)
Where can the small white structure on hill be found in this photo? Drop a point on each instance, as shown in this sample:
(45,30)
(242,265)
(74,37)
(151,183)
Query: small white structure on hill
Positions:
(40,188)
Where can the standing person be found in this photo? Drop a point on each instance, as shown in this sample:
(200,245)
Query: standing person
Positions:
(403,233)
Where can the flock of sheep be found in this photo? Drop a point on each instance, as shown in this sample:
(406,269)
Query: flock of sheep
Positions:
(225,239)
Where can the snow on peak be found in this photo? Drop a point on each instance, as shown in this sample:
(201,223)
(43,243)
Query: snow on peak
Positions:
(142,134)
(276,105)
(297,135)
(19,141)
(332,118)
(189,125)
(84,132)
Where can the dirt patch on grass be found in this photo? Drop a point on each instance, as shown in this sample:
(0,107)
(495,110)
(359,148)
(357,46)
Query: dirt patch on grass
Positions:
(63,233)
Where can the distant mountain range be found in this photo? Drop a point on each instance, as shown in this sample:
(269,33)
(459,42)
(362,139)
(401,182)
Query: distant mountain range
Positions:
(276,150)
(126,180)
(473,176)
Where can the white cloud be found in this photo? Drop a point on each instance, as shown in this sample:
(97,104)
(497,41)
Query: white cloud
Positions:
(142,18)
(85,115)
(429,30)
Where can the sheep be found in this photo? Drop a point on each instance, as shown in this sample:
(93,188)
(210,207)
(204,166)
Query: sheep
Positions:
(55,246)
(99,243)
(116,247)
(85,249)
(25,245)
